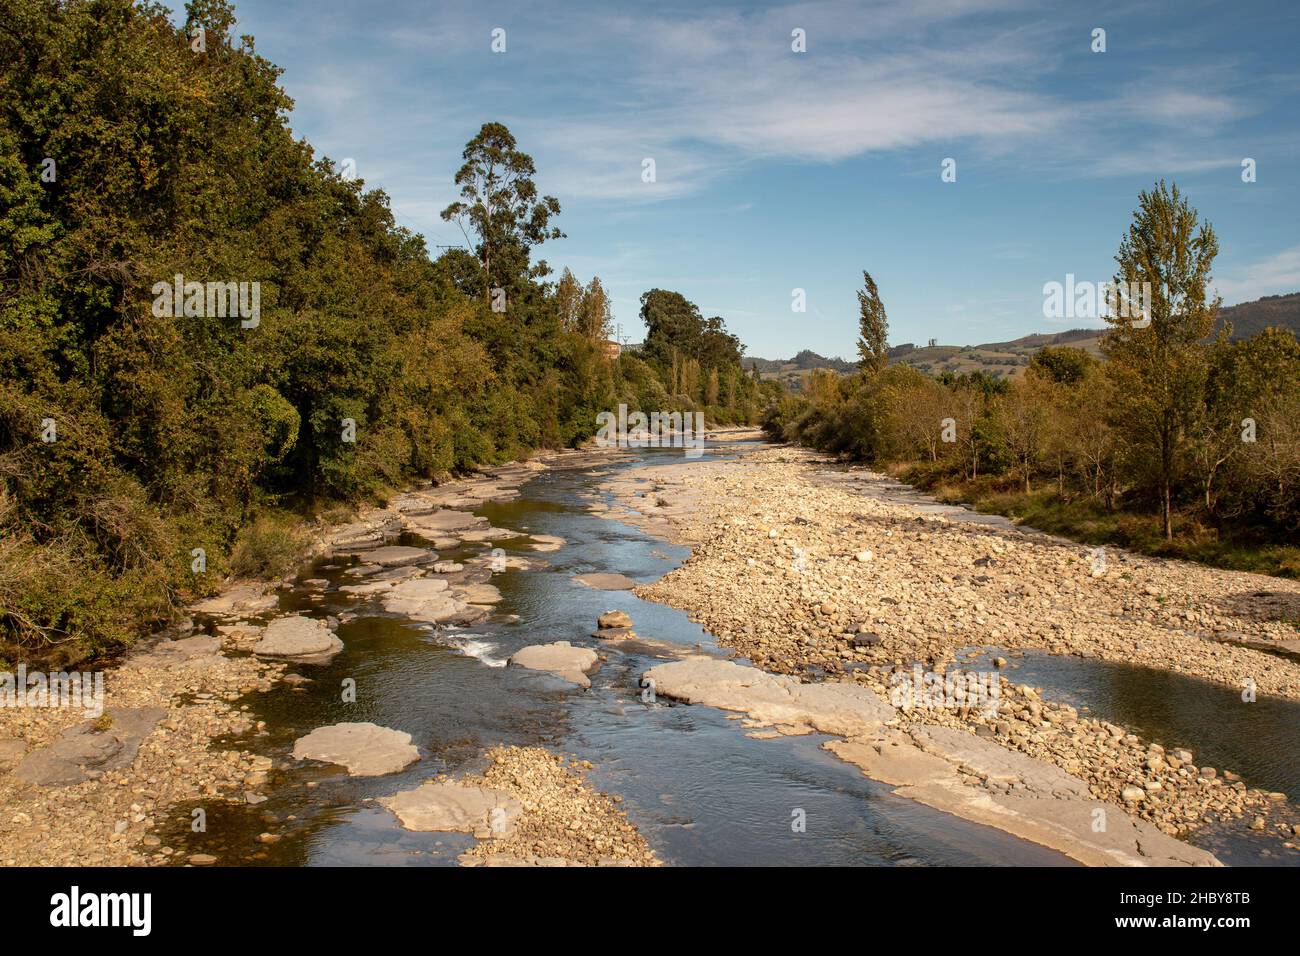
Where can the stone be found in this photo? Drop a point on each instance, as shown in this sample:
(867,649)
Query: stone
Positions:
(1025,797)
(242,599)
(447,520)
(11,751)
(439,806)
(365,749)
(602,581)
(771,699)
(614,619)
(298,638)
(545,542)
(393,556)
(423,599)
(561,659)
(108,743)
(478,594)
(490,534)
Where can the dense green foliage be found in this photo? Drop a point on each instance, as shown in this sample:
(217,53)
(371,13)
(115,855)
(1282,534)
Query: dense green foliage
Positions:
(1200,431)
(131,152)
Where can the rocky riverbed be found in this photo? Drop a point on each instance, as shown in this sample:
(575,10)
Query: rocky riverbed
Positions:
(833,580)
(828,574)
(83,791)
(78,788)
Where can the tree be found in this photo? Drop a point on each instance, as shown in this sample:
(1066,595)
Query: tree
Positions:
(1250,427)
(1159,360)
(873,327)
(500,206)
(673,324)
(596,319)
(568,301)
(1025,410)
(1063,365)
(915,406)
(718,348)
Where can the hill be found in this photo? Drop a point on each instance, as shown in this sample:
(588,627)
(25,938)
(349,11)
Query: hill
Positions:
(1009,358)
(1249,318)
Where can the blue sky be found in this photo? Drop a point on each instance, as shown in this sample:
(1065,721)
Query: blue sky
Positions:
(778,170)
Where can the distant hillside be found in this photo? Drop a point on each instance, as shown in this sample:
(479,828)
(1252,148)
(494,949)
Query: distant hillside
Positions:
(996,358)
(790,372)
(1009,358)
(1249,318)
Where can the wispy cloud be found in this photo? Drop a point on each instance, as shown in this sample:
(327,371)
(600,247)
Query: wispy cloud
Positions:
(1276,275)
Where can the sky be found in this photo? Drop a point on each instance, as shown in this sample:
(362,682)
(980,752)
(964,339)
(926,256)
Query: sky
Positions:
(777,170)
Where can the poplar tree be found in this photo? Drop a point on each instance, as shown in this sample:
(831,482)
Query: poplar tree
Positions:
(1160,361)
(873,327)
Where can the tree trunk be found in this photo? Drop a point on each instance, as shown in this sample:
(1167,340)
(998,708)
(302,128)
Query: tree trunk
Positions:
(1167,511)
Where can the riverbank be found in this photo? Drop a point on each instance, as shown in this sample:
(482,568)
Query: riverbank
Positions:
(1088,521)
(813,570)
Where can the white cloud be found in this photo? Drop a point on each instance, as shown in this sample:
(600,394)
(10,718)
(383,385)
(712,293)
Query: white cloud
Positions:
(1276,275)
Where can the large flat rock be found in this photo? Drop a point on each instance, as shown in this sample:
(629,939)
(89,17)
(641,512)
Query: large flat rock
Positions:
(242,599)
(490,534)
(92,746)
(1028,798)
(771,699)
(378,583)
(436,806)
(561,659)
(603,581)
(478,594)
(365,749)
(394,556)
(423,599)
(298,638)
(442,522)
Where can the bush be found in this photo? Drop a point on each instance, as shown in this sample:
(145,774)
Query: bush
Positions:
(269,547)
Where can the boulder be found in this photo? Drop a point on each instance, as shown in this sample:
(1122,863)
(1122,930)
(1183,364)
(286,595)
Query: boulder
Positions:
(365,749)
(614,619)
(561,659)
(298,638)
(437,806)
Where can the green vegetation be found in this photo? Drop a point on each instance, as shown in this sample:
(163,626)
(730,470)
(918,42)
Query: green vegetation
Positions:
(1183,442)
(132,152)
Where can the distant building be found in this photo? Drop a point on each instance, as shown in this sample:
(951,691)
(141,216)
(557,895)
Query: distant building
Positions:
(612,349)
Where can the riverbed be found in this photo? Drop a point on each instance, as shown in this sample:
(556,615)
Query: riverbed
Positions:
(699,789)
